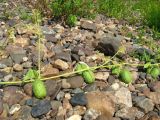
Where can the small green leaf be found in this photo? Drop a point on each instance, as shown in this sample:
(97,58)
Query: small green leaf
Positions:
(147,65)
(31,74)
(155,72)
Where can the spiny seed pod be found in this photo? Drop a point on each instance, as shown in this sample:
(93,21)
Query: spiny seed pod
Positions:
(116,70)
(39,89)
(126,76)
(155,72)
(88,75)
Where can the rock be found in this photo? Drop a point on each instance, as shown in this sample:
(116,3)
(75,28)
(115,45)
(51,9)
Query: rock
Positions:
(4,114)
(115,86)
(60,96)
(53,88)
(28,89)
(145,104)
(8,77)
(65,84)
(77,90)
(18,67)
(12,95)
(57,49)
(91,114)
(22,42)
(154,96)
(102,102)
(1,106)
(6,62)
(14,108)
(56,104)
(78,99)
(135,75)
(108,45)
(31,102)
(42,107)
(79,110)
(61,64)
(131,113)
(101,75)
(27,64)
(17,53)
(75,81)
(111,79)
(74,117)
(66,56)
(91,87)
(50,38)
(48,71)
(123,96)
(155,86)
(47,30)
(88,25)
(23,114)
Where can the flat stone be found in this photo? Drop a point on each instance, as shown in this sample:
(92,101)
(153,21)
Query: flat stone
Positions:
(131,113)
(48,71)
(66,56)
(56,104)
(18,67)
(75,81)
(123,96)
(79,110)
(61,64)
(53,88)
(42,107)
(6,62)
(78,99)
(102,75)
(60,96)
(145,104)
(108,45)
(88,25)
(17,53)
(102,102)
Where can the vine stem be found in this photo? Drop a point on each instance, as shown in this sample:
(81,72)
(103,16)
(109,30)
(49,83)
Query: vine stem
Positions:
(71,73)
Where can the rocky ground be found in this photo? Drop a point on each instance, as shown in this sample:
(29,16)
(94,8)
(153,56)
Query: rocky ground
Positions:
(70,98)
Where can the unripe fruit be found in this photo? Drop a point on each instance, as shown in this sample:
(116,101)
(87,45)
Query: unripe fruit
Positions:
(155,72)
(126,76)
(39,89)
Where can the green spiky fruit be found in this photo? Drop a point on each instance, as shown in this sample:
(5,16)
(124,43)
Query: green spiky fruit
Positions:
(116,70)
(88,75)
(39,89)
(155,72)
(126,76)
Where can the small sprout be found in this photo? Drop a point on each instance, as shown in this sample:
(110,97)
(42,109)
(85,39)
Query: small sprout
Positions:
(71,20)
(39,89)
(126,76)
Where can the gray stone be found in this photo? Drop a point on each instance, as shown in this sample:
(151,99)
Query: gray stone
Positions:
(75,81)
(56,104)
(66,56)
(47,30)
(91,114)
(88,25)
(90,87)
(77,90)
(42,107)
(6,62)
(108,45)
(131,113)
(78,99)
(60,96)
(14,108)
(123,96)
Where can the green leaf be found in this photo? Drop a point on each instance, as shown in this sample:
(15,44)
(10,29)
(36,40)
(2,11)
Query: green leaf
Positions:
(147,65)
(31,74)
